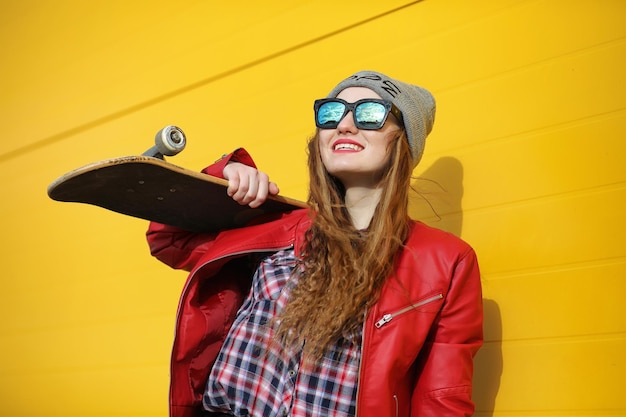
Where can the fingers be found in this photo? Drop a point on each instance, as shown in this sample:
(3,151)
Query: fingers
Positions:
(247,185)
(273,188)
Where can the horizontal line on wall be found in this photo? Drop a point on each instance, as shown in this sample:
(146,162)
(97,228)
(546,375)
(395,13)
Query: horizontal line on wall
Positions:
(545,269)
(536,64)
(558,340)
(590,191)
(543,130)
(11,333)
(194,86)
(65,369)
(552,413)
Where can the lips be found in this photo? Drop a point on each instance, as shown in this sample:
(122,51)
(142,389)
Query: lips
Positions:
(347,145)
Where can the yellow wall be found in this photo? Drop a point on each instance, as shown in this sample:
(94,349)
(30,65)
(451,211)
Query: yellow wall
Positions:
(528,151)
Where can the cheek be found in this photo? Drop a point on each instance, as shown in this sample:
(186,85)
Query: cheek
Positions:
(324,142)
(324,136)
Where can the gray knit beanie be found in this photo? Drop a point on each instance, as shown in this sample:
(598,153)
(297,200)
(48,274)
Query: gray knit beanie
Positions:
(416,104)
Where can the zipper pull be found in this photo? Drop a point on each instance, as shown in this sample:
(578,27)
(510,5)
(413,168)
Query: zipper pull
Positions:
(386,319)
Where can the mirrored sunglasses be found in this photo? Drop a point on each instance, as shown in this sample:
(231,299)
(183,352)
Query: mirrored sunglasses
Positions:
(368,114)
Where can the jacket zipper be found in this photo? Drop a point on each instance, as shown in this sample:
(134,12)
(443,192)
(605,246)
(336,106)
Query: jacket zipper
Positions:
(388,317)
(358,377)
(395,398)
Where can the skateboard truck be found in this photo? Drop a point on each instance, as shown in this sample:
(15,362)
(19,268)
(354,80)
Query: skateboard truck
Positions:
(168,141)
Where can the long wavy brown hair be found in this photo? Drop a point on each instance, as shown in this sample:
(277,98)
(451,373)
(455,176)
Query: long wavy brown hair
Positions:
(342,270)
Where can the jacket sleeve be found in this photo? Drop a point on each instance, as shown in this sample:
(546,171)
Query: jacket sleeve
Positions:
(180,248)
(444,385)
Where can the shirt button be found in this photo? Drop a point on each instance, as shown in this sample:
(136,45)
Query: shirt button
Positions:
(291,373)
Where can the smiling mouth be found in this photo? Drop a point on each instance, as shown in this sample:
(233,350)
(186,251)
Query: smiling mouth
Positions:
(347,147)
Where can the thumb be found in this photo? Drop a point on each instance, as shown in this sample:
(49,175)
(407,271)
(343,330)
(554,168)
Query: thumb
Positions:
(273,188)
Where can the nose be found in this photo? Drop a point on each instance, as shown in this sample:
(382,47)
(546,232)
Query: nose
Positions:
(347,123)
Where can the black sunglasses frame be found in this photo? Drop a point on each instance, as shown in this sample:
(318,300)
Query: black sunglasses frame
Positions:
(351,107)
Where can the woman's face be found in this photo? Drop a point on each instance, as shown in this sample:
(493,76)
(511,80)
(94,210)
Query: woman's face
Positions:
(357,157)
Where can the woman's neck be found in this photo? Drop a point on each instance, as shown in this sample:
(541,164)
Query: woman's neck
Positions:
(361,203)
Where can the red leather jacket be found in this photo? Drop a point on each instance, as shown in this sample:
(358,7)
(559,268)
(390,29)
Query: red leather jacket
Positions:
(419,339)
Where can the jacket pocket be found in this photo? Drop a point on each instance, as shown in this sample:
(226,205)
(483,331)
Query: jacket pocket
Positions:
(388,317)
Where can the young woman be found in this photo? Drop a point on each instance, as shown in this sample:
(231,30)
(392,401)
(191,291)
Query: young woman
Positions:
(348,308)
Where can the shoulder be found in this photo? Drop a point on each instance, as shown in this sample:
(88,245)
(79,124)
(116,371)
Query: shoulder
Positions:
(291,218)
(268,228)
(435,259)
(271,233)
(427,239)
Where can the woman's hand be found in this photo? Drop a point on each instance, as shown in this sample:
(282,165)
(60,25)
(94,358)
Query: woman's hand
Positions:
(247,185)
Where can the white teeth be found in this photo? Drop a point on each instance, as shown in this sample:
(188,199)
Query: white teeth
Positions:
(347,146)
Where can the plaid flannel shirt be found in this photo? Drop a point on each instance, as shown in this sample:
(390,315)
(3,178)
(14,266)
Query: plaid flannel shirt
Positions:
(254,377)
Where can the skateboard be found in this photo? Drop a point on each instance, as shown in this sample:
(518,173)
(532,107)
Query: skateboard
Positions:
(148,187)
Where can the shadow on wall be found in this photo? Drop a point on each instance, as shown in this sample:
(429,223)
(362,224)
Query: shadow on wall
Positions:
(488,362)
(437,202)
(438,194)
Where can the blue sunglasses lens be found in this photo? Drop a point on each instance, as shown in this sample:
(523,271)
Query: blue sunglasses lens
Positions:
(369,115)
(330,114)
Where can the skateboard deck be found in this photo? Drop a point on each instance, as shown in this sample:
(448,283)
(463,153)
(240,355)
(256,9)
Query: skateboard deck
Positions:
(153,189)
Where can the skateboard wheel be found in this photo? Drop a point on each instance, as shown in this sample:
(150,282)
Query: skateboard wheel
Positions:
(170,140)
